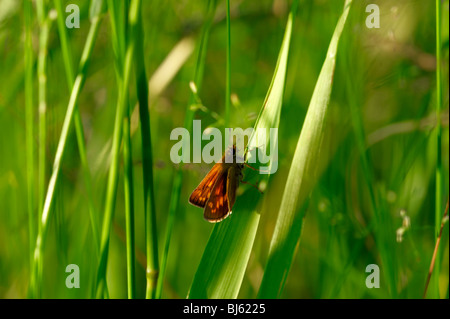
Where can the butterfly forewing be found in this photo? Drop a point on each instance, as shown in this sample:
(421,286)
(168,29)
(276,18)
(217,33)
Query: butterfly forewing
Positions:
(201,194)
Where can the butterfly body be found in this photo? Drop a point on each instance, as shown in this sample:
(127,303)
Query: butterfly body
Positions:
(216,193)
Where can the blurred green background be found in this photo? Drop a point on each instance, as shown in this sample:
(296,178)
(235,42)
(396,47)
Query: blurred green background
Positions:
(391,75)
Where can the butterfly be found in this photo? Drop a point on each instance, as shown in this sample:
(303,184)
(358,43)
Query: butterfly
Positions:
(216,193)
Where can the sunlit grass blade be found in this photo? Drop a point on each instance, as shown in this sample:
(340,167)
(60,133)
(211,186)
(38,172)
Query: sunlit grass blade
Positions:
(178,179)
(302,176)
(36,276)
(227,252)
(118,17)
(29,127)
(113,175)
(44,30)
(438,196)
(68,62)
(129,206)
(228,72)
(151,236)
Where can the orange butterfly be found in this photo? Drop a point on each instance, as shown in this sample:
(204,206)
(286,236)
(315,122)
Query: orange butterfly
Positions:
(216,193)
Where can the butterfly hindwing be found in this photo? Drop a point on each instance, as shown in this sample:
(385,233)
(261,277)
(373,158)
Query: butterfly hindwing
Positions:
(217,207)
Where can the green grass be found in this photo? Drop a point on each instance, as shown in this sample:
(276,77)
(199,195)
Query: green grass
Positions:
(68,62)
(129,206)
(148,179)
(121,110)
(357,144)
(226,255)
(44,25)
(189,115)
(37,269)
(302,175)
(228,72)
(29,125)
(438,204)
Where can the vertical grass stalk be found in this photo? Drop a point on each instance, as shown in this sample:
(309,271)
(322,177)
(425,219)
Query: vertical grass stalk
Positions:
(228,72)
(67,58)
(118,24)
(44,30)
(381,223)
(438,199)
(36,276)
(178,179)
(118,15)
(227,252)
(115,151)
(129,206)
(29,127)
(435,252)
(302,176)
(151,238)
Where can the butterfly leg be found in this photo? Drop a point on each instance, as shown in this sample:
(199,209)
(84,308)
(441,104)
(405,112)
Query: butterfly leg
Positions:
(253,186)
(255,169)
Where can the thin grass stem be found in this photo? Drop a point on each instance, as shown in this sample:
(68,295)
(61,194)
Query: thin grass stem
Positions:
(129,207)
(178,179)
(382,225)
(44,30)
(29,127)
(302,175)
(36,277)
(228,72)
(118,25)
(151,236)
(115,151)
(67,57)
(435,252)
(438,198)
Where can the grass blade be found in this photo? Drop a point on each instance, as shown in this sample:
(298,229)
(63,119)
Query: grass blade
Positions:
(115,151)
(118,18)
(226,255)
(381,226)
(36,275)
(44,28)
(302,175)
(178,179)
(435,253)
(151,238)
(29,127)
(128,185)
(228,72)
(67,57)
(129,206)
(438,198)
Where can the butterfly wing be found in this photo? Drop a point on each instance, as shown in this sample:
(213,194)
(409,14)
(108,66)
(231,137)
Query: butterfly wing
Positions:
(217,207)
(201,194)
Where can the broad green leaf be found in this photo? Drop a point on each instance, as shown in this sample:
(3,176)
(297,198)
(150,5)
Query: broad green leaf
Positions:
(302,175)
(226,255)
